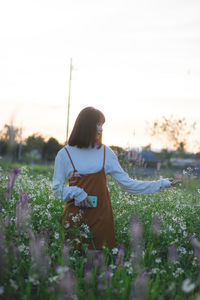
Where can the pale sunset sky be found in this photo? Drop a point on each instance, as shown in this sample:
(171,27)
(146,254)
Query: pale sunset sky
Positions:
(136,61)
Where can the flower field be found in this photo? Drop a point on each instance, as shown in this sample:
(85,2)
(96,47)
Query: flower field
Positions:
(157,254)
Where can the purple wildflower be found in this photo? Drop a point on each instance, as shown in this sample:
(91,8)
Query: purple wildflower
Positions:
(8,221)
(157,225)
(14,250)
(40,259)
(65,254)
(133,291)
(67,286)
(11,182)
(136,239)
(139,287)
(3,252)
(120,256)
(100,283)
(22,212)
(88,272)
(173,257)
(51,288)
(16,171)
(8,190)
(135,229)
(108,276)
(196,246)
(99,260)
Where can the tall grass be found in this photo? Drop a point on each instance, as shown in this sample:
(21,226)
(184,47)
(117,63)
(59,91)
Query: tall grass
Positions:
(157,254)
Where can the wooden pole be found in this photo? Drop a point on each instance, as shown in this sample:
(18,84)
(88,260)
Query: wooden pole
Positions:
(69,95)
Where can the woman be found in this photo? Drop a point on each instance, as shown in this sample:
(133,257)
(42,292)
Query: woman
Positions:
(85,162)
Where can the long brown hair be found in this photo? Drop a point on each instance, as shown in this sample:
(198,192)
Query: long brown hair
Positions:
(84,132)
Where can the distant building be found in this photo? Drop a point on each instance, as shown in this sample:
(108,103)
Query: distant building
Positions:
(143,158)
(184,162)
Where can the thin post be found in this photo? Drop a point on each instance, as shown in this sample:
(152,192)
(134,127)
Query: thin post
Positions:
(68,106)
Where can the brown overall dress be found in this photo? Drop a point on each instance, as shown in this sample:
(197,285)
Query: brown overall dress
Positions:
(99,219)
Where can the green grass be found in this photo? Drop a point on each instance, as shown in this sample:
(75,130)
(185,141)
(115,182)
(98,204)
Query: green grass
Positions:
(31,243)
(32,169)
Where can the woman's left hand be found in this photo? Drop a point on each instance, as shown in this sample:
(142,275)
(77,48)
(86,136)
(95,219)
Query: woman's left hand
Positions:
(85,203)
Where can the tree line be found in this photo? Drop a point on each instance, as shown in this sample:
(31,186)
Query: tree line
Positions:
(33,148)
(174,134)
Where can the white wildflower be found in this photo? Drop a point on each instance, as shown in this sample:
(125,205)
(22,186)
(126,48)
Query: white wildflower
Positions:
(182,250)
(54,278)
(67,225)
(77,240)
(195,261)
(127,264)
(85,227)
(113,267)
(48,215)
(183,226)
(132,255)
(185,234)
(75,219)
(187,286)
(72,258)
(171,229)
(61,270)
(13,284)
(33,280)
(114,251)
(130,270)
(84,235)
(178,272)
(158,260)
(1,290)
(21,248)
(171,287)
(56,235)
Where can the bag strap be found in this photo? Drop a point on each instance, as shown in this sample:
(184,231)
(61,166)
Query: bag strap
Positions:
(104,156)
(70,159)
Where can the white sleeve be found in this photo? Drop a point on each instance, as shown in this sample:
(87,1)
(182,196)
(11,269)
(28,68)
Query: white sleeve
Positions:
(61,174)
(131,185)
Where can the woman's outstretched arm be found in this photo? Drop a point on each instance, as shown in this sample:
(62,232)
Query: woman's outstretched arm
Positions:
(132,185)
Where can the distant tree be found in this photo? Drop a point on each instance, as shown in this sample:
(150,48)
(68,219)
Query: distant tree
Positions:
(50,149)
(147,148)
(35,142)
(10,136)
(172,132)
(197,155)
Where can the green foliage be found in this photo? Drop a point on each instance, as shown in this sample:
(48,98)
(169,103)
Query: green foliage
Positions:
(50,149)
(35,141)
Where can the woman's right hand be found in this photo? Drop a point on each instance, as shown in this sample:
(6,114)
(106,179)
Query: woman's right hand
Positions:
(85,203)
(174,181)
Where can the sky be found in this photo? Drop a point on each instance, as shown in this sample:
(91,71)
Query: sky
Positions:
(136,61)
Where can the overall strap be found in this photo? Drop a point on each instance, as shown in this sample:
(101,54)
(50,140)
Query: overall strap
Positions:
(70,159)
(104,156)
